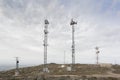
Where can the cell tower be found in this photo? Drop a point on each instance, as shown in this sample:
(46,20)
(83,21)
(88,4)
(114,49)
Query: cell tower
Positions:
(45,69)
(97,53)
(72,23)
(17,67)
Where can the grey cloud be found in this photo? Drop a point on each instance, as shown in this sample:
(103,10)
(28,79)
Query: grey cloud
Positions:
(22,25)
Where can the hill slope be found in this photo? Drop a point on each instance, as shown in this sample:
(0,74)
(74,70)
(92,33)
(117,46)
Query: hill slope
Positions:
(57,69)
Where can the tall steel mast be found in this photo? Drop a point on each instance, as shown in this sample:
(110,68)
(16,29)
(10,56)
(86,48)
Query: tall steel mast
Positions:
(72,23)
(45,45)
(17,67)
(97,53)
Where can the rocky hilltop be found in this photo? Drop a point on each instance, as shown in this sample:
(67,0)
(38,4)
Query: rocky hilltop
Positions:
(61,72)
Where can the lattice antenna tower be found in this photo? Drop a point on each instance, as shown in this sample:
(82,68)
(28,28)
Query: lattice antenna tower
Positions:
(97,55)
(45,69)
(72,23)
(17,66)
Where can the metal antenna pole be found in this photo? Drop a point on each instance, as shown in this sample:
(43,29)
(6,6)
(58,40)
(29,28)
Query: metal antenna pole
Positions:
(17,67)
(17,63)
(45,45)
(72,23)
(97,53)
(64,57)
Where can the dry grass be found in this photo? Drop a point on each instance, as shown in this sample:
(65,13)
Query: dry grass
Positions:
(56,69)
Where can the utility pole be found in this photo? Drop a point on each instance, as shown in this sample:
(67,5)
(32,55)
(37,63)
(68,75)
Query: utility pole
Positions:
(45,69)
(72,23)
(97,55)
(17,67)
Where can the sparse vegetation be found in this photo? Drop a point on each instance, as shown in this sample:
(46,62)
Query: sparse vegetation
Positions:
(116,69)
(35,72)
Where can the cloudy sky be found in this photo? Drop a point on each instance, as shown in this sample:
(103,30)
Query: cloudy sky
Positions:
(22,25)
